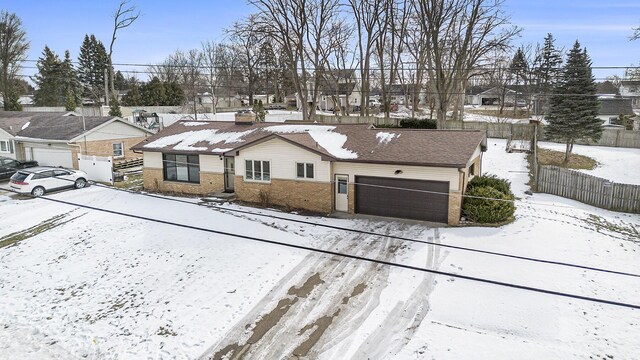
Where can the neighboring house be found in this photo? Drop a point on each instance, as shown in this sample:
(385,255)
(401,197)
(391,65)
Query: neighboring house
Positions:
(631,89)
(337,89)
(400,94)
(493,96)
(415,174)
(611,109)
(56,138)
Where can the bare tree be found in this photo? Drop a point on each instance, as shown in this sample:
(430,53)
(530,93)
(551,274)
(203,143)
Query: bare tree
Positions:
(459,34)
(210,52)
(13,51)
(636,33)
(366,14)
(124,16)
(299,26)
(245,34)
(338,61)
(389,46)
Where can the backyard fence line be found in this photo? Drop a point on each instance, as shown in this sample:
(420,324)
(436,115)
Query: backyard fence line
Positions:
(588,189)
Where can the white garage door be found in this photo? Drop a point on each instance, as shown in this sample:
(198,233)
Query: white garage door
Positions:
(52,157)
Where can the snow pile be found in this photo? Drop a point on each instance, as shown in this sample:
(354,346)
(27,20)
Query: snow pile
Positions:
(469,116)
(221,150)
(186,140)
(26,125)
(331,141)
(385,137)
(194,123)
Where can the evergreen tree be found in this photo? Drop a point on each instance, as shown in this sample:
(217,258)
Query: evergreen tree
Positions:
(70,82)
(70,102)
(573,107)
(519,70)
(120,82)
(546,70)
(132,98)
(12,99)
(174,94)
(258,108)
(49,87)
(114,107)
(92,62)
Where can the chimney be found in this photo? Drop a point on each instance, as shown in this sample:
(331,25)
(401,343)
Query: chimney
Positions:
(245,117)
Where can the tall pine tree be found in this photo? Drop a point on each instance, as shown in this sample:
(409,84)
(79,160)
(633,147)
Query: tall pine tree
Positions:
(49,87)
(519,70)
(547,68)
(92,62)
(70,82)
(573,107)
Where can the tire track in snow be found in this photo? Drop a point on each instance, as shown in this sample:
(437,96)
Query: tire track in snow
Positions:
(302,320)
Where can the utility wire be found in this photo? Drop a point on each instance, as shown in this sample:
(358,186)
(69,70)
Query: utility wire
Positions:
(475,250)
(355,257)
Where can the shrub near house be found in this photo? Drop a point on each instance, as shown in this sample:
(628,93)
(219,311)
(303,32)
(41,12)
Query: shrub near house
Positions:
(488,200)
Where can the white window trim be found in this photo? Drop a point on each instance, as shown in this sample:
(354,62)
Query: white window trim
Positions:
(121,148)
(305,171)
(9,147)
(244,173)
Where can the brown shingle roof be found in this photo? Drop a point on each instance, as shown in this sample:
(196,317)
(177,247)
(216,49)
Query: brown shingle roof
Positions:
(354,143)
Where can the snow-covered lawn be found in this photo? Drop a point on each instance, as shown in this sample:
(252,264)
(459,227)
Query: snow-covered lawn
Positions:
(620,165)
(98,285)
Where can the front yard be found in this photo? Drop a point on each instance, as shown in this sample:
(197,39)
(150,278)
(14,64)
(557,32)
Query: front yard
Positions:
(77,283)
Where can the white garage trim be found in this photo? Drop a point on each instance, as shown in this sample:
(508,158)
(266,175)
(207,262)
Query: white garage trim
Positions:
(50,156)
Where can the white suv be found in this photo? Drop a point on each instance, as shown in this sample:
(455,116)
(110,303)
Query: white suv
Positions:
(39,180)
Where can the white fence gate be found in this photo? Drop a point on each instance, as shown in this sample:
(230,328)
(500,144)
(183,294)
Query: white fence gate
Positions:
(98,168)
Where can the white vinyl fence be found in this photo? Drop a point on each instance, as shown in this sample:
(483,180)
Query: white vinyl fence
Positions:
(98,168)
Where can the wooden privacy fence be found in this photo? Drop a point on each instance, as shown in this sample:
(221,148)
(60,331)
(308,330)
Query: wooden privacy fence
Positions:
(588,189)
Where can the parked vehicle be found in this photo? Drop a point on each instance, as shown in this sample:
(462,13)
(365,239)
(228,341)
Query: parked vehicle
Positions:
(9,166)
(39,180)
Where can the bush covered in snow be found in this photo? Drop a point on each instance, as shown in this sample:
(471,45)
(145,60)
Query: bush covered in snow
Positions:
(488,200)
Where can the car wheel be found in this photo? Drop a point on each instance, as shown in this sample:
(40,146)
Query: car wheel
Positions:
(80,183)
(38,191)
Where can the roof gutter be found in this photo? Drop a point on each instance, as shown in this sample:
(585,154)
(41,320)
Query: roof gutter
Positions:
(25,139)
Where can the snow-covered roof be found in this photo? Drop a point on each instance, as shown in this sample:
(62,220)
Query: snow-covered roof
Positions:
(359,143)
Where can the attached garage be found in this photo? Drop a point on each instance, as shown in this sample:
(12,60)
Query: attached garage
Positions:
(402,198)
(50,156)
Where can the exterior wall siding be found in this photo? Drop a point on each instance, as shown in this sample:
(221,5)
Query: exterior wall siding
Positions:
(283,157)
(313,196)
(408,172)
(116,130)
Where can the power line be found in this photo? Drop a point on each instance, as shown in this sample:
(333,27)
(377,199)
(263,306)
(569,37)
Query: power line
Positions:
(312,68)
(486,252)
(356,257)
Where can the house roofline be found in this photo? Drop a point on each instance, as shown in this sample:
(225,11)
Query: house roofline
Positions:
(114,119)
(236,150)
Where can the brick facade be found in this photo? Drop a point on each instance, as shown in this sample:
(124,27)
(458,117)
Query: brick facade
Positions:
(209,183)
(455,207)
(309,195)
(105,148)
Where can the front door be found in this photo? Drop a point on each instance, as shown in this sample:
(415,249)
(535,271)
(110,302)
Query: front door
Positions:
(342,192)
(229,173)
